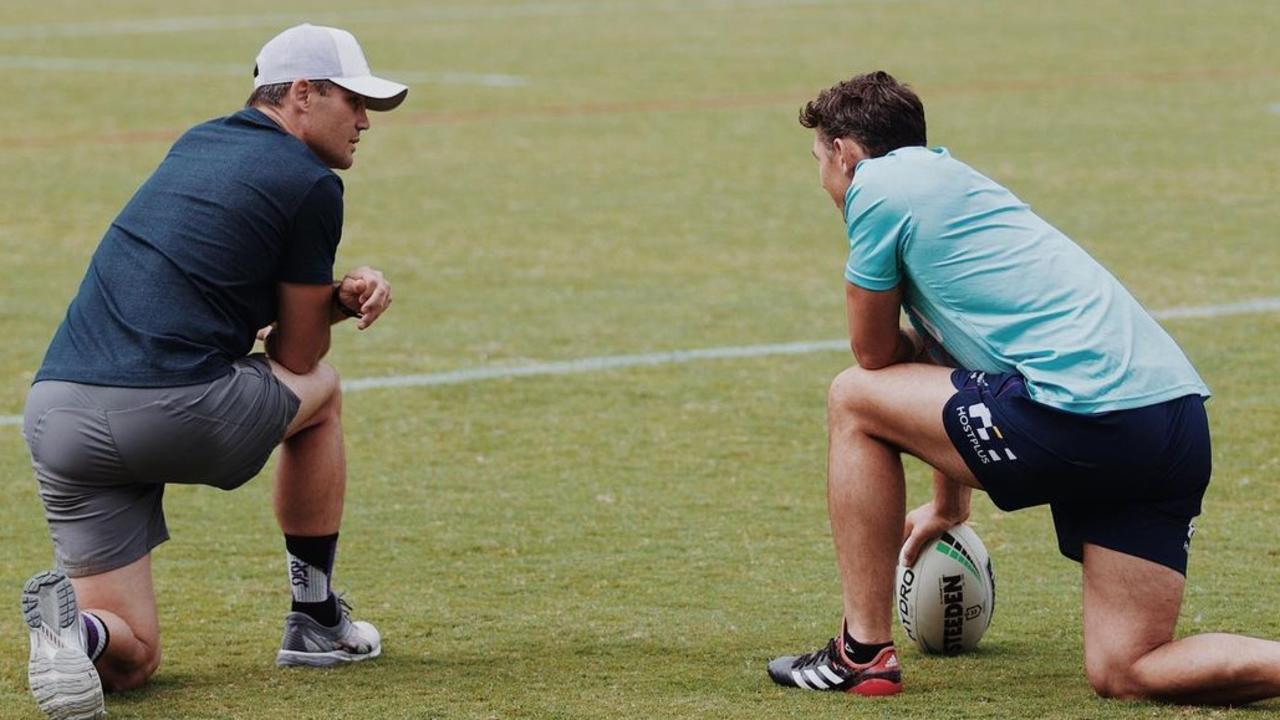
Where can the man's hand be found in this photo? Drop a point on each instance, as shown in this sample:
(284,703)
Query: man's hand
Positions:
(365,291)
(919,345)
(927,350)
(925,524)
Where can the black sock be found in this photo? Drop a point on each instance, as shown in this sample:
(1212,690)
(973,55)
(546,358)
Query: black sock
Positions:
(310,567)
(862,653)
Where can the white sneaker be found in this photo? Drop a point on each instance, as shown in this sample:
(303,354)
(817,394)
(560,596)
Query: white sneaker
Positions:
(63,680)
(307,642)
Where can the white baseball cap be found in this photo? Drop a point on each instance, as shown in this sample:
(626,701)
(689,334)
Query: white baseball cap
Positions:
(315,52)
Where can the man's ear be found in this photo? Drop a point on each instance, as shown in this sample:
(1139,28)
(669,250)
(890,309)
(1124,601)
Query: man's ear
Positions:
(849,153)
(300,91)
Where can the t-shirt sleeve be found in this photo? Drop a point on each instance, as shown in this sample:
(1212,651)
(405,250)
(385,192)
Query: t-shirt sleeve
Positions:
(313,243)
(878,223)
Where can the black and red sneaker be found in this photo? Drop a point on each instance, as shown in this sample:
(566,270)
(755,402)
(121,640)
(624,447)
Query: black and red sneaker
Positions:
(831,669)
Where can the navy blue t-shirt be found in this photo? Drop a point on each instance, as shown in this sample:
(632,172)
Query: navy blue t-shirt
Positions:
(187,274)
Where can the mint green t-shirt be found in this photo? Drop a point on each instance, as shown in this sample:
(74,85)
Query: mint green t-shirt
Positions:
(1001,290)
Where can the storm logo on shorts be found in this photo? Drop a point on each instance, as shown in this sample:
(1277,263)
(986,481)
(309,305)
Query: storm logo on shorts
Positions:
(981,432)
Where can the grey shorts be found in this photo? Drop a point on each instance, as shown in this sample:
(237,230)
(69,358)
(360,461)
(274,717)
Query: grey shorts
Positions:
(103,455)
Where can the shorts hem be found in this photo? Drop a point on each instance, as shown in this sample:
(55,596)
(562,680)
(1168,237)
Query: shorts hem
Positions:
(89,569)
(1076,553)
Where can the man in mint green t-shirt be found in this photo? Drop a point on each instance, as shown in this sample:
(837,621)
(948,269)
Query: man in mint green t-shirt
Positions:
(1030,373)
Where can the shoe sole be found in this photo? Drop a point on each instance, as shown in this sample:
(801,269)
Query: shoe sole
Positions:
(294,658)
(63,680)
(876,687)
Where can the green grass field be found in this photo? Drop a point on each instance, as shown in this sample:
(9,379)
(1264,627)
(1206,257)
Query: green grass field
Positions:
(575,179)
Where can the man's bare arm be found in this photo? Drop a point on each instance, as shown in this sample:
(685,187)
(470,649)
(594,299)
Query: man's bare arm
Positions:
(874,335)
(301,333)
(300,337)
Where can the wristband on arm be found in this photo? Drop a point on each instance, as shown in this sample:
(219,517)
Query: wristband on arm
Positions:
(342,307)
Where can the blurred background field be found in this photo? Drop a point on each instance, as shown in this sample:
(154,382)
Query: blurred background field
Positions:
(574,179)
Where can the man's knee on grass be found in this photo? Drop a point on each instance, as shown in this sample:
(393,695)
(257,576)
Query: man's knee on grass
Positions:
(119,675)
(1113,678)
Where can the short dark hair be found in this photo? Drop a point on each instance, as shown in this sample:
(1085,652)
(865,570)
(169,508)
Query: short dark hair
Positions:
(275,93)
(873,109)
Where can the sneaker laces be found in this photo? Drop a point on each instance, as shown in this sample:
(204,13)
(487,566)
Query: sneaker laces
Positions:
(828,655)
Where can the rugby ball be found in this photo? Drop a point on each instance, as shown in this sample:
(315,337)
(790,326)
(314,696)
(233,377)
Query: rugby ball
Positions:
(945,601)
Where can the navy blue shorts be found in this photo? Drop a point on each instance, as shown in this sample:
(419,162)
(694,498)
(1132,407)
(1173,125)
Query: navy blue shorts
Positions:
(1128,480)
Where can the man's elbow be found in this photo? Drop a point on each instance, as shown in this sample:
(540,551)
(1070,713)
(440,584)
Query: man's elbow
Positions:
(871,358)
(298,361)
(296,367)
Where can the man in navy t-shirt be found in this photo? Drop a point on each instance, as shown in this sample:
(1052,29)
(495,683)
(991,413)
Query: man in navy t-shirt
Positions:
(150,378)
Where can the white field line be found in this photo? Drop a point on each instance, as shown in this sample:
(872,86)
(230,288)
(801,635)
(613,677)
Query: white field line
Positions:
(1244,307)
(241,70)
(591,364)
(457,13)
(614,362)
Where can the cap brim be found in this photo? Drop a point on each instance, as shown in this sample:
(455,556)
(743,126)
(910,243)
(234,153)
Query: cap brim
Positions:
(379,95)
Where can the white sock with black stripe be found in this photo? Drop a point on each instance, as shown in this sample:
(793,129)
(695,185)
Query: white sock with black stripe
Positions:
(95,634)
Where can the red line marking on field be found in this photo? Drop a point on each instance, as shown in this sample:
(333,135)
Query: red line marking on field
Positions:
(704,103)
